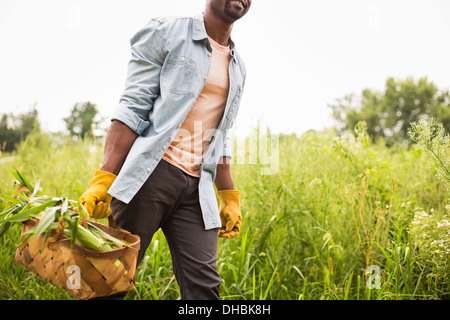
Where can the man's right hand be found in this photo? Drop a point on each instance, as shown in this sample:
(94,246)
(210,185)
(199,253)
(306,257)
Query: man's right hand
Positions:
(96,199)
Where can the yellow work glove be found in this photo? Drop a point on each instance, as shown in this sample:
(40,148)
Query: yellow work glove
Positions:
(230,213)
(96,199)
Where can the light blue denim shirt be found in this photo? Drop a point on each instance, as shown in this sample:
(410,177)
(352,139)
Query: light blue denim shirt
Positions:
(169,65)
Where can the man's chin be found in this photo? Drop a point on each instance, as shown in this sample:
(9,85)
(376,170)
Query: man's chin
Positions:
(234,14)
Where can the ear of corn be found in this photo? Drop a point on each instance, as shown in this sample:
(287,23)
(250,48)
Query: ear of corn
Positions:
(29,202)
(88,240)
(102,234)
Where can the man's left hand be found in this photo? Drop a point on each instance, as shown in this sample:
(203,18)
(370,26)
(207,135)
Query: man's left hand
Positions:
(230,213)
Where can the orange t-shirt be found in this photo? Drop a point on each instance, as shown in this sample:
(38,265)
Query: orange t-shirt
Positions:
(186,150)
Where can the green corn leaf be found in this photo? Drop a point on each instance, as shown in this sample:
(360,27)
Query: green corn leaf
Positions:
(74,231)
(4,227)
(27,234)
(36,189)
(46,220)
(15,175)
(28,213)
(29,185)
(65,206)
(22,179)
(64,211)
(43,199)
(19,195)
(82,210)
(11,199)
(9,211)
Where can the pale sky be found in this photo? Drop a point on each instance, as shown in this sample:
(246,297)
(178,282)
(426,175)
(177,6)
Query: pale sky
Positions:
(300,55)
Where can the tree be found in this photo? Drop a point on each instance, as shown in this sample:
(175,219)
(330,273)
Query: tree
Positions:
(389,114)
(15,128)
(82,119)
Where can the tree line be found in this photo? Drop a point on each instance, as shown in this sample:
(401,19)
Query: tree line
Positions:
(83,119)
(388,113)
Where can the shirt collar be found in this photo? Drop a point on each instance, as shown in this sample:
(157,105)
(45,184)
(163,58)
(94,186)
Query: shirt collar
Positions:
(199,31)
(198,28)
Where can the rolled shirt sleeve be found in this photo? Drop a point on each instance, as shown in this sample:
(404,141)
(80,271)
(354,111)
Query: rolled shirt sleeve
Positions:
(142,86)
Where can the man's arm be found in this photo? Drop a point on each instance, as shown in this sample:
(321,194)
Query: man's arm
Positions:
(223,179)
(119,140)
(118,143)
(131,116)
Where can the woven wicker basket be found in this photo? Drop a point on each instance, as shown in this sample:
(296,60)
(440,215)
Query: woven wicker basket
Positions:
(83,273)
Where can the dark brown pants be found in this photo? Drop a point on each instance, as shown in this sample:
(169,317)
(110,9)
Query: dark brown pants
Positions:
(170,200)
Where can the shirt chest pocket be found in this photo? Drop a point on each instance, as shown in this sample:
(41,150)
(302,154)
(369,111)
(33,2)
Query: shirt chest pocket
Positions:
(177,75)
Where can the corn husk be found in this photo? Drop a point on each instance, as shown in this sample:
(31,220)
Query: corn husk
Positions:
(59,214)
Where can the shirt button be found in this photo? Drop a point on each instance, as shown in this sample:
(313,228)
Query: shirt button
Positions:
(182,59)
(164,148)
(149,170)
(209,54)
(205,78)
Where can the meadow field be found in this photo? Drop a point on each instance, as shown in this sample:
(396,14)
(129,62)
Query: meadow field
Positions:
(340,218)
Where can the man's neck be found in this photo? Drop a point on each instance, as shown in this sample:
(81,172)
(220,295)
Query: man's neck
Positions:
(217,29)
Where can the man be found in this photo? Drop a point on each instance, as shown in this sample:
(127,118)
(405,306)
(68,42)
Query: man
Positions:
(168,143)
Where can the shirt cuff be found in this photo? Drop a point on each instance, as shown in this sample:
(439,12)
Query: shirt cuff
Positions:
(226,152)
(132,120)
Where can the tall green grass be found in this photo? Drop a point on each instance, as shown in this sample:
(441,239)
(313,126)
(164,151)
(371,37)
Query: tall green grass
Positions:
(335,207)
